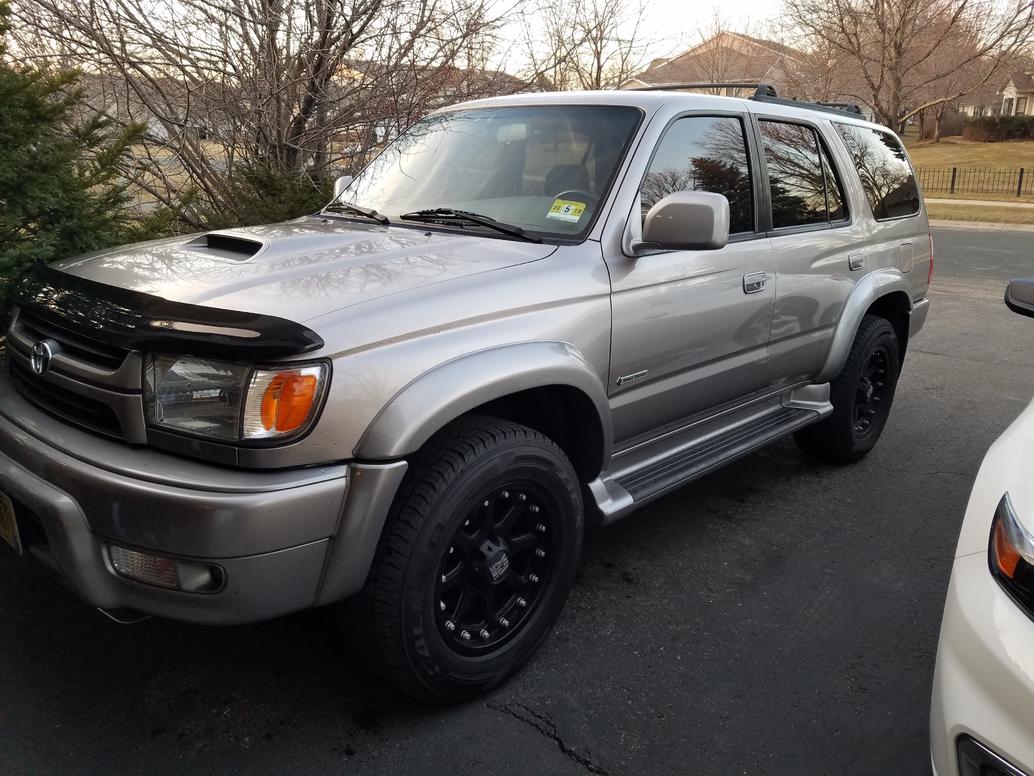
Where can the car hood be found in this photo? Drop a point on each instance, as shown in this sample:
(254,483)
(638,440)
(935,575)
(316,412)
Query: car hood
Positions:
(298,270)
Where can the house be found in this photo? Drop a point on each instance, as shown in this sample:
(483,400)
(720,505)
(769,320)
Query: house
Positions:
(1018,94)
(727,56)
(983,102)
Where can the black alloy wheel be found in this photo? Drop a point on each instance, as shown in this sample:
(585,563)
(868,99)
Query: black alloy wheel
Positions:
(475,562)
(871,390)
(861,395)
(495,569)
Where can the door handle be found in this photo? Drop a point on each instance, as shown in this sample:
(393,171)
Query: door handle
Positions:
(754,282)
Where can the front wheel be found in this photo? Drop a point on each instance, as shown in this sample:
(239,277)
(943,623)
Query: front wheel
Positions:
(861,396)
(475,562)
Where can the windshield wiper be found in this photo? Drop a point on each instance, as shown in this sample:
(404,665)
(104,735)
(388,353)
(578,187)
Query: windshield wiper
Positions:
(447,215)
(346,207)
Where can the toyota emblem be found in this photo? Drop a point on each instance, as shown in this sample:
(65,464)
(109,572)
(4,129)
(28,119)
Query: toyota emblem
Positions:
(41,355)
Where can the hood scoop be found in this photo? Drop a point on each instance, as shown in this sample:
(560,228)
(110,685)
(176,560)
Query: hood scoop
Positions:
(226,246)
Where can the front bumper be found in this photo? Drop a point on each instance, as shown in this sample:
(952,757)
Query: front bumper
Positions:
(285,540)
(984,679)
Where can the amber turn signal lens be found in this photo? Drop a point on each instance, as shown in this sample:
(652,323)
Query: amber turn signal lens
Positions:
(1006,557)
(287,400)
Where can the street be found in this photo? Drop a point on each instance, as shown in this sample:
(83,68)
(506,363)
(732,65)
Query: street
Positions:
(778,617)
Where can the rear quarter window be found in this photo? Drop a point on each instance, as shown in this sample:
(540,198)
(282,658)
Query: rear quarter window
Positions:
(883,169)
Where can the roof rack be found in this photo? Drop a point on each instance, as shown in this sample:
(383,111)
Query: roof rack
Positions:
(760,90)
(762,93)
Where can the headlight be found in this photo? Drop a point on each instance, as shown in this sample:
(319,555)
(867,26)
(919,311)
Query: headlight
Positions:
(231,402)
(1011,554)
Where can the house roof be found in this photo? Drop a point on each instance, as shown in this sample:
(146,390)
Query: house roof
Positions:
(1023,80)
(726,56)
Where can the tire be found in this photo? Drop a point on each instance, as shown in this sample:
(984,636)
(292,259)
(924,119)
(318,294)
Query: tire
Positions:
(861,395)
(452,607)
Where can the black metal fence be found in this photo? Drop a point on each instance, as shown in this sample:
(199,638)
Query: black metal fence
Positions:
(966,180)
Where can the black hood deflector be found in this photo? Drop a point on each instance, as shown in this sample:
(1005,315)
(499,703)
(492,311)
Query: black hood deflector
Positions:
(139,321)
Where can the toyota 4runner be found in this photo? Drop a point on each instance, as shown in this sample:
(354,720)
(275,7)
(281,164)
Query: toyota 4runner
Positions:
(525,313)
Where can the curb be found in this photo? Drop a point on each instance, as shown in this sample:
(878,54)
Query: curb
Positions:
(982,226)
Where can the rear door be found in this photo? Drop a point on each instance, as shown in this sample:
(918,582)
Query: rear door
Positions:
(691,328)
(899,236)
(818,242)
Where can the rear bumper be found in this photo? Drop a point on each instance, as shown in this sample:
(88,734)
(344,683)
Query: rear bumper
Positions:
(276,535)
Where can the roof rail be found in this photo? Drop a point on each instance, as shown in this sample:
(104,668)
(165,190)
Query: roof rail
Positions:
(760,90)
(849,108)
(762,93)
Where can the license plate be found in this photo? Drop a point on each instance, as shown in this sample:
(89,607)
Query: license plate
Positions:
(8,525)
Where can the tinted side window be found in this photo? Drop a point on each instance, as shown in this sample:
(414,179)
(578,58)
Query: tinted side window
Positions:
(704,153)
(795,179)
(883,168)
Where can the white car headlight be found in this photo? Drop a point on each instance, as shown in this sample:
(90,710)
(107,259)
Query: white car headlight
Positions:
(1011,554)
(231,402)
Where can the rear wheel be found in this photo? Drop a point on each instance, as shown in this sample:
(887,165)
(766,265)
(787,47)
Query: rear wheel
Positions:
(475,562)
(861,396)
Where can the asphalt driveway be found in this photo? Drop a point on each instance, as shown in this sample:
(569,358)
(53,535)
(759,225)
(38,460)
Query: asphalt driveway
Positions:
(779,617)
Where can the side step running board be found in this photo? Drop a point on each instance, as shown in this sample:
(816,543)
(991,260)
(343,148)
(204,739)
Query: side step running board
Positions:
(660,476)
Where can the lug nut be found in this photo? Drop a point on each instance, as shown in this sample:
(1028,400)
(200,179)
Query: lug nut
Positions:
(523,497)
(485,634)
(521,602)
(441,605)
(534,508)
(540,552)
(443,579)
(485,504)
(533,578)
(450,625)
(452,550)
(465,635)
(504,622)
(506,494)
(540,528)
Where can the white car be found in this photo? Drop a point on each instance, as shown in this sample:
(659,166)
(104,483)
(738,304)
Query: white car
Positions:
(982,712)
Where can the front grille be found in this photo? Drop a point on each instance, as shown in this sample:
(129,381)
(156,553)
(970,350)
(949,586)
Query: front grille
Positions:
(67,405)
(73,344)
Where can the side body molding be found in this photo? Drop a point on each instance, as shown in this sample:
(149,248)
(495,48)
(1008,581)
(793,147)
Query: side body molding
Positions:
(444,393)
(876,284)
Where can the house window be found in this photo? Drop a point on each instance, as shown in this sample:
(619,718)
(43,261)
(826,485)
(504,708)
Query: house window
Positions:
(1007,107)
(1021,106)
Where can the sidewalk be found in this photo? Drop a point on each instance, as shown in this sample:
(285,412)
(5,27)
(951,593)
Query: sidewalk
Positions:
(983,202)
(983,226)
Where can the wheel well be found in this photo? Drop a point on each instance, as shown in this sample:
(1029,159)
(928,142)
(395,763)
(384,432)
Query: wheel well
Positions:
(896,309)
(562,413)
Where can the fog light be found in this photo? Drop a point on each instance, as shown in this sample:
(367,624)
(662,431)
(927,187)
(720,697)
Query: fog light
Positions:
(168,573)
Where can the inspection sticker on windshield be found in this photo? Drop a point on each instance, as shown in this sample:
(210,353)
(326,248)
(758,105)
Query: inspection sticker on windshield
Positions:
(566,210)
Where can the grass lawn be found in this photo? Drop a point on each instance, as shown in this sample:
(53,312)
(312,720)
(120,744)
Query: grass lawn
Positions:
(987,213)
(956,152)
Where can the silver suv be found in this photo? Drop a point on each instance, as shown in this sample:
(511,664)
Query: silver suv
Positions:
(527,312)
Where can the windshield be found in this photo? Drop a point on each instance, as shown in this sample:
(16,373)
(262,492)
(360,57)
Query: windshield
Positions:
(543,169)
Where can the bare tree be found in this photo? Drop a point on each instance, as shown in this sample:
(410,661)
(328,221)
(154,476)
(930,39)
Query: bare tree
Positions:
(295,85)
(893,55)
(592,45)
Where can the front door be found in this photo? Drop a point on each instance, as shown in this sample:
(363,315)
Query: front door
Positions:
(691,328)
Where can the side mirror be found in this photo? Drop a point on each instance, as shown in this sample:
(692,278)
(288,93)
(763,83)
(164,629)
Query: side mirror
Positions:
(1019,296)
(341,184)
(687,221)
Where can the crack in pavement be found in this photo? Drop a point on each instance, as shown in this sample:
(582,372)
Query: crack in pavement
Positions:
(547,728)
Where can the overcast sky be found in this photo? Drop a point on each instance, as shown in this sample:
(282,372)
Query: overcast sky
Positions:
(672,26)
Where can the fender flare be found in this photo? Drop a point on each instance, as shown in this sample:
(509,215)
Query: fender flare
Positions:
(449,390)
(874,286)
